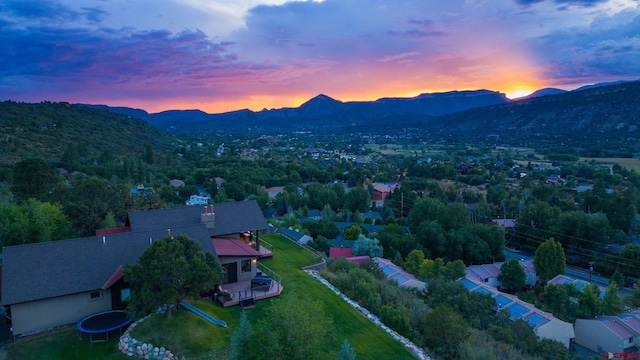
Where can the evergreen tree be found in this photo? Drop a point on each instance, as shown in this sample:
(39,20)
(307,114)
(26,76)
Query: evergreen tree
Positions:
(346,352)
(109,221)
(240,344)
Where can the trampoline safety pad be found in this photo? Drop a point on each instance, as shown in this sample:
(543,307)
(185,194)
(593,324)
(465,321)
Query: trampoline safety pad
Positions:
(102,323)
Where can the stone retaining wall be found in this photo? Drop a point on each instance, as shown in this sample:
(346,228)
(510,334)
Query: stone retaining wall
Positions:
(141,350)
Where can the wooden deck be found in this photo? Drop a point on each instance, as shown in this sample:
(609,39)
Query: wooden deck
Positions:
(242,290)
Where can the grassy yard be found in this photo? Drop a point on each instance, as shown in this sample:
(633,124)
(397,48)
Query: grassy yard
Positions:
(64,344)
(188,335)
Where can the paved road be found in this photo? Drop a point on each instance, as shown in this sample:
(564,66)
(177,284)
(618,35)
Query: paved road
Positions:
(571,271)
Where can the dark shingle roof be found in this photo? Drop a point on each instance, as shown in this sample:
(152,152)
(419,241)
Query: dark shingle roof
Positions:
(231,217)
(57,268)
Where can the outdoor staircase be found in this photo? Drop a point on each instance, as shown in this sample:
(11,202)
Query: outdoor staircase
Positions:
(248,302)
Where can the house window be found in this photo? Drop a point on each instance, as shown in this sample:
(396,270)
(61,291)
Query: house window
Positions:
(95,295)
(124,294)
(246,266)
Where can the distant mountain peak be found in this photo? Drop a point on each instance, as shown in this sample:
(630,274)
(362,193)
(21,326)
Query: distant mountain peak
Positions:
(321,98)
(542,92)
(321,104)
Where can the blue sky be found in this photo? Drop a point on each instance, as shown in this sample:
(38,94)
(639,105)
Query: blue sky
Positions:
(225,55)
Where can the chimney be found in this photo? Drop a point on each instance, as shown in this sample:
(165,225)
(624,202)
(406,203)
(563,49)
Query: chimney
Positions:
(208,217)
(150,241)
(169,233)
(104,240)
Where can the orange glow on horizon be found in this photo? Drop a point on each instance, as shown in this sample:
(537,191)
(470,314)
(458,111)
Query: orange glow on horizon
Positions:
(518,92)
(258,103)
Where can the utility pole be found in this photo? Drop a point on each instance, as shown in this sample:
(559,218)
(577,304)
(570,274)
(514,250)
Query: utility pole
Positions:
(401,205)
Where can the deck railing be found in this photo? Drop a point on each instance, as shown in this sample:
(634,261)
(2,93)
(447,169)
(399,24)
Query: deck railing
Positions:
(266,271)
(266,245)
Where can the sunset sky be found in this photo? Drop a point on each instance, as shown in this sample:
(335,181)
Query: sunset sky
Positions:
(223,55)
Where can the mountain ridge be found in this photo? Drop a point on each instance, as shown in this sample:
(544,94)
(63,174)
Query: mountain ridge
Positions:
(324,114)
(320,111)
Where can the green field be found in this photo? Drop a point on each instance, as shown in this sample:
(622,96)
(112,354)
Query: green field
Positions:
(190,336)
(629,163)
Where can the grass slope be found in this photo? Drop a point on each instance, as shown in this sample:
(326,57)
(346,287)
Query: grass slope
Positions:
(188,335)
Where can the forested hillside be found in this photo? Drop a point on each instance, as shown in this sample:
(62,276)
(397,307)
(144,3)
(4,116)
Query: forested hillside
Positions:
(594,121)
(48,130)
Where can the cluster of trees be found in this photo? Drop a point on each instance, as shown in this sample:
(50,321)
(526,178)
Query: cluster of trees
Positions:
(87,202)
(447,319)
(425,269)
(441,226)
(568,303)
(446,231)
(33,221)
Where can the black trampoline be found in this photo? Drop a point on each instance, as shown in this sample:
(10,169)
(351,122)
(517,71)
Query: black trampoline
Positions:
(102,324)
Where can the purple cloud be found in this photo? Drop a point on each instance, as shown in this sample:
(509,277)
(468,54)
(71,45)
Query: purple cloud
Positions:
(117,49)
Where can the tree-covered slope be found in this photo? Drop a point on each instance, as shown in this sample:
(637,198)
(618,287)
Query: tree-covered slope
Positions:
(46,130)
(598,117)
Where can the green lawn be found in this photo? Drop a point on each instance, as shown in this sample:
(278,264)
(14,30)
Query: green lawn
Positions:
(188,335)
(64,344)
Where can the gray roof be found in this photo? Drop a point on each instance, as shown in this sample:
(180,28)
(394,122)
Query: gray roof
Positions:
(231,218)
(49,269)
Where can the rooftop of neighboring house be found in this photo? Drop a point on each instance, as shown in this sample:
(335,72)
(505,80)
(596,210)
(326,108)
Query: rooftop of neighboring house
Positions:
(488,271)
(617,328)
(506,223)
(395,272)
(384,187)
(176,182)
(359,259)
(579,284)
(516,307)
(345,252)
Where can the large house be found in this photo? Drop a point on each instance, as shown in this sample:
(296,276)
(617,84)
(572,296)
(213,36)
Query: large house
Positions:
(51,284)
